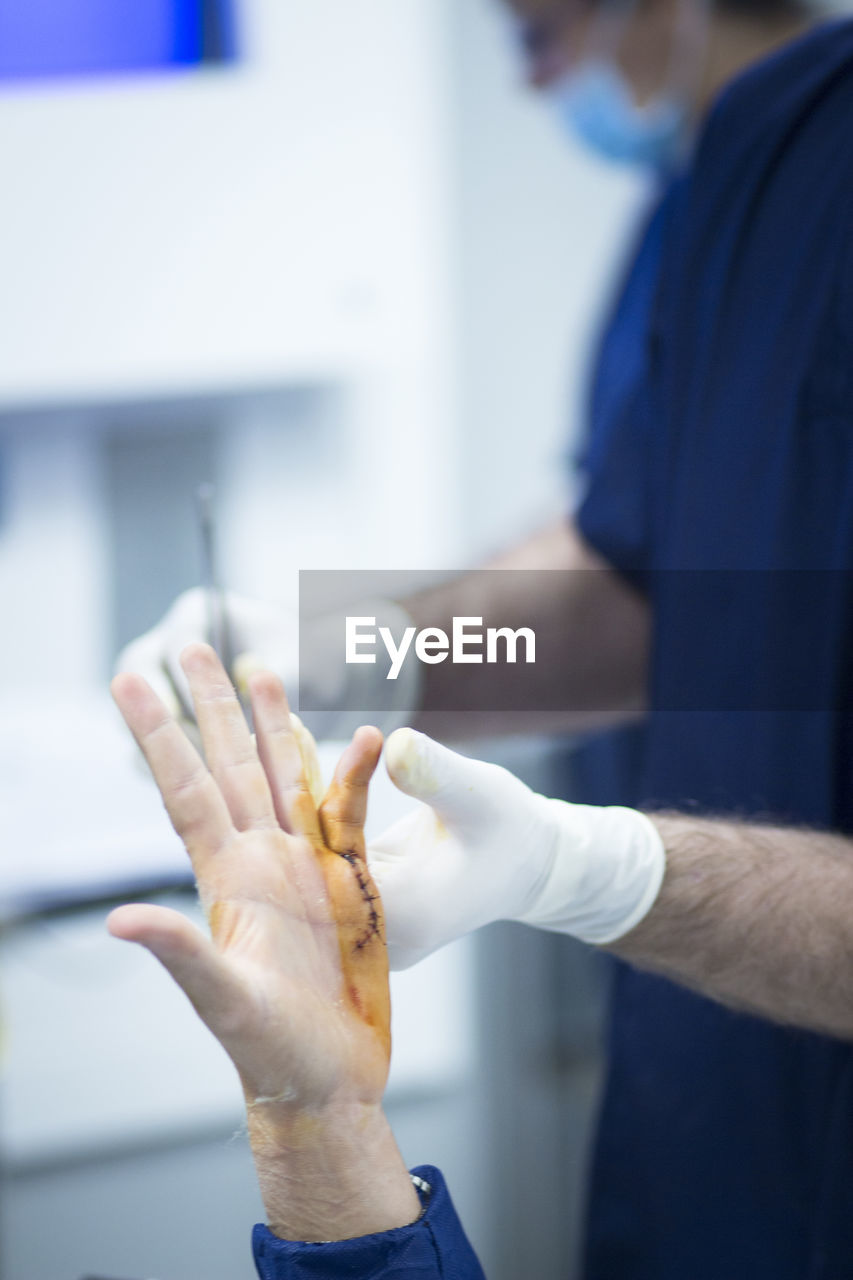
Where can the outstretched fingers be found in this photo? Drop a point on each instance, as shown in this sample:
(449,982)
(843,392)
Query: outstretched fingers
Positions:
(192,799)
(344,810)
(228,746)
(281,757)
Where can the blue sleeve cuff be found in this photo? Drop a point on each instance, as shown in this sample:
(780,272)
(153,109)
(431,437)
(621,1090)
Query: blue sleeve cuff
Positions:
(433,1248)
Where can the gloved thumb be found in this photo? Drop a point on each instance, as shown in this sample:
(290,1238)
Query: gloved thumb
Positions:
(457,788)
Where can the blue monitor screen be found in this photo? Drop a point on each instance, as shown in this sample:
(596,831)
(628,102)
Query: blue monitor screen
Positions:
(47,38)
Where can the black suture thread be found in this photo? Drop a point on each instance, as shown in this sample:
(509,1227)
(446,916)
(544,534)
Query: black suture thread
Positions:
(372,930)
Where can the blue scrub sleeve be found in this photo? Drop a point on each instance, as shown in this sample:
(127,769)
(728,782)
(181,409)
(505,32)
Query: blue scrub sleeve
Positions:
(433,1248)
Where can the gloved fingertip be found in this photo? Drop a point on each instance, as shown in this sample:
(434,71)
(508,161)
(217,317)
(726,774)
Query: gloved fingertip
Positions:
(244,666)
(408,761)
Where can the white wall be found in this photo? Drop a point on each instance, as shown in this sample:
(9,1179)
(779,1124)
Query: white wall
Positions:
(540,227)
(52,559)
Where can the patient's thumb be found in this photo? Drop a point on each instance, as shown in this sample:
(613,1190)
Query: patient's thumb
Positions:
(184,952)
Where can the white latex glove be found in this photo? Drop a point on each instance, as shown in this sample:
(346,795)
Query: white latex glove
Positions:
(484,847)
(267,636)
(261,634)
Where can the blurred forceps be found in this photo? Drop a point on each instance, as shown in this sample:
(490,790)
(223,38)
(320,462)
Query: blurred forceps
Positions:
(219,630)
(218,626)
(220,633)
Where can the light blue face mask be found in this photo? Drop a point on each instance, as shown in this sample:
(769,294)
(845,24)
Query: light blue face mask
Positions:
(595,103)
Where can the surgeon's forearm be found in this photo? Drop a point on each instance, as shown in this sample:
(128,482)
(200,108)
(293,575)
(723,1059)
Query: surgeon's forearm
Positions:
(592,641)
(332,1176)
(758,917)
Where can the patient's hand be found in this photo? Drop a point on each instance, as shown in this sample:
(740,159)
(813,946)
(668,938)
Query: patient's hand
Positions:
(294,982)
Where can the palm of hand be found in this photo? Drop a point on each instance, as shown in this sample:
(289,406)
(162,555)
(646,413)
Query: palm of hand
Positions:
(305,945)
(295,980)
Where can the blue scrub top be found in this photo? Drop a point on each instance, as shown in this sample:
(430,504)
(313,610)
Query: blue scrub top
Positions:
(720,479)
(433,1248)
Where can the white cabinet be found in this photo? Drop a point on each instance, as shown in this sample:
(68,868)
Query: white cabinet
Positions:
(238,226)
(261,247)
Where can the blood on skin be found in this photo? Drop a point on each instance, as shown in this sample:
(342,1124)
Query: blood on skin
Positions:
(355,1001)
